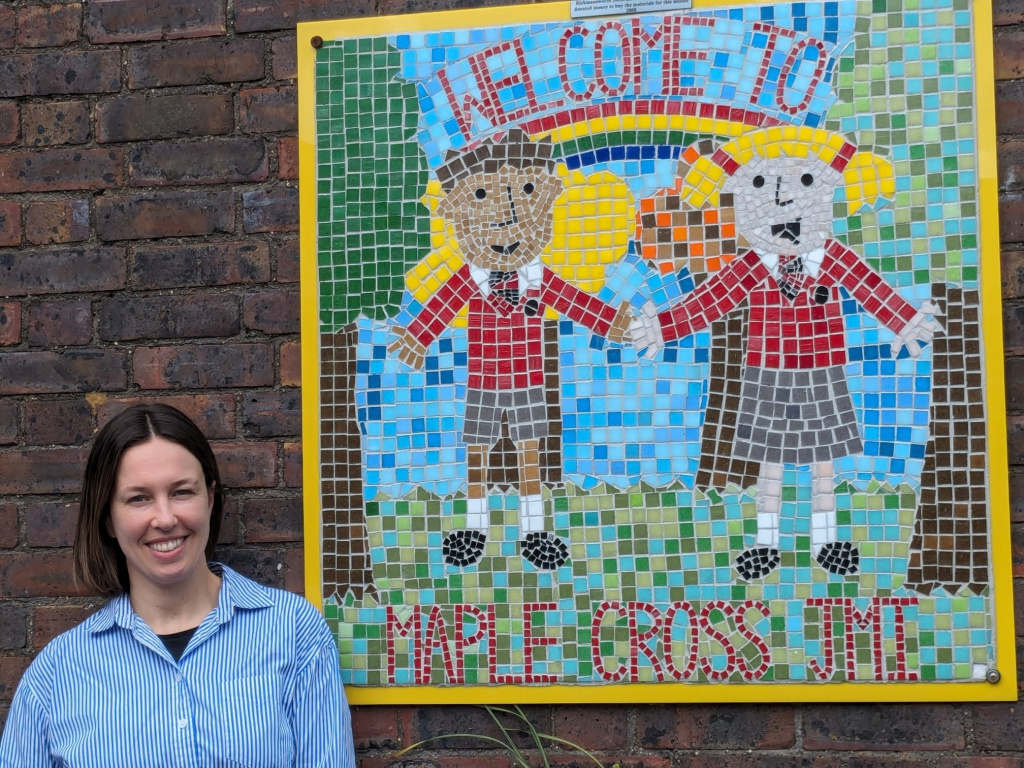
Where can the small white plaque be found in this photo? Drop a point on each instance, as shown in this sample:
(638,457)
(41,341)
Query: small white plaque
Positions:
(581,9)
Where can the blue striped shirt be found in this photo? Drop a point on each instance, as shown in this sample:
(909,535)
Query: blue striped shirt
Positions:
(257,686)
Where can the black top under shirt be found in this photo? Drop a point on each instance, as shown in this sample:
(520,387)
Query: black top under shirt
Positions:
(177,642)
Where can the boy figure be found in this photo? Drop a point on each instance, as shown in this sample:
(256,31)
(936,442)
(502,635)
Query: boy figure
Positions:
(795,407)
(499,198)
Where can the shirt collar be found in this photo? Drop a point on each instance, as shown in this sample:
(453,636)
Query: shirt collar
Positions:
(236,593)
(531,276)
(812,261)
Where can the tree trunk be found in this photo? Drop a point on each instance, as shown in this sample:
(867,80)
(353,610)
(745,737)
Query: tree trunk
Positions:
(344,539)
(950,546)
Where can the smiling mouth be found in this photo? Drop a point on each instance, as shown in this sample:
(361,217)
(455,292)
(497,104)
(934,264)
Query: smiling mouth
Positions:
(505,249)
(167,546)
(789,230)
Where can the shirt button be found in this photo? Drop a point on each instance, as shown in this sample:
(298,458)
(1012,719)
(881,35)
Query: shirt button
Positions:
(183,723)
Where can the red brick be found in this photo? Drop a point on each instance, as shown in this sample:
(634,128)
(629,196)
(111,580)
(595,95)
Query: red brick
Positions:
(273,210)
(293,465)
(58,422)
(288,158)
(765,760)
(139,117)
(50,170)
(8,122)
(10,424)
(45,471)
(1011,219)
(10,323)
(165,214)
(60,322)
(1015,438)
(57,221)
(427,722)
(11,670)
(125,21)
(201,264)
(997,726)
(578,760)
(1014,375)
(60,71)
(204,366)
(440,761)
(1013,329)
(80,370)
(265,566)
(272,413)
(291,364)
(266,110)
(51,470)
(718,727)
(262,15)
(32,273)
(889,727)
(10,223)
(288,261)
(8,25)
(1006,12)
(276,312)
(376,727)
(230,526)
(272,520)
(1017,496)
(168,317)
(55,122)
(247,465)
(603,729)
(294,571)
(48,621)
(1011,165)
(50,523)
(285,60)
(8,526)
(1012,270)
(13,626)
(213,414)
(1018,599)
(217,161)
(195,62)
(1010,107)
(42,26)
(45,573)
(1007,47)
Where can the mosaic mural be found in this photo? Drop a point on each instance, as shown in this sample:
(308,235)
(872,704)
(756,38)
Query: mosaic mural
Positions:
(652,349)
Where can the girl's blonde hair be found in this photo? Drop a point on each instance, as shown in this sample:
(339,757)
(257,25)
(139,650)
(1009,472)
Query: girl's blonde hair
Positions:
(867,177)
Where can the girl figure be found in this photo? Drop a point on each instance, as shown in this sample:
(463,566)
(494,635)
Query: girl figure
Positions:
(188,663)
(795,407)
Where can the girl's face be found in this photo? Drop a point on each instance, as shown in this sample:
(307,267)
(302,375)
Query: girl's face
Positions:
(160,515)
(784,204)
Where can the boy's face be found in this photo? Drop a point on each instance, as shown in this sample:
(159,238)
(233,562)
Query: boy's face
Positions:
(503,220)
(784,204)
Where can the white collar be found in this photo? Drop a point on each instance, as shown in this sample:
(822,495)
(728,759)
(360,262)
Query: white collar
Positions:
(812,261)
(530,276)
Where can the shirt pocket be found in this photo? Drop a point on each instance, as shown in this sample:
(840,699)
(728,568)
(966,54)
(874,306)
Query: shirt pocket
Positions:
(255,728)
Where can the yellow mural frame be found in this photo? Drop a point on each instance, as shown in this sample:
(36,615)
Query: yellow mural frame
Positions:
(1005,689)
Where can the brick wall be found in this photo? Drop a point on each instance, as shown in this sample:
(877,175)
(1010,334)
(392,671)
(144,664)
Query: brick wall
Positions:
(148,250)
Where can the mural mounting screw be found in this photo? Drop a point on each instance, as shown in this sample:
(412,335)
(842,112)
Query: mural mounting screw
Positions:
(993,676)
(317,42)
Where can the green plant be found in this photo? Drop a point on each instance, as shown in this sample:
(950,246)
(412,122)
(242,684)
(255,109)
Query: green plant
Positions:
(508,742)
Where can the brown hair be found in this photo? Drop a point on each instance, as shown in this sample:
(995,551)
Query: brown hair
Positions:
(99,562)
(516,149)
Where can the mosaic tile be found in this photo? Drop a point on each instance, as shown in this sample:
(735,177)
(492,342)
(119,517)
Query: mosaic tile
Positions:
(651,350)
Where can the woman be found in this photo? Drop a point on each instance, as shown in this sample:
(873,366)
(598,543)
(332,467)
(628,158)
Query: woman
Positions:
(188,663)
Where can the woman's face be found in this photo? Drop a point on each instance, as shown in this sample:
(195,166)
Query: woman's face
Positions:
(160,514)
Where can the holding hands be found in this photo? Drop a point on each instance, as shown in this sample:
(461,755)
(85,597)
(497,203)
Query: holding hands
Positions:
(921,328)
(645,331)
